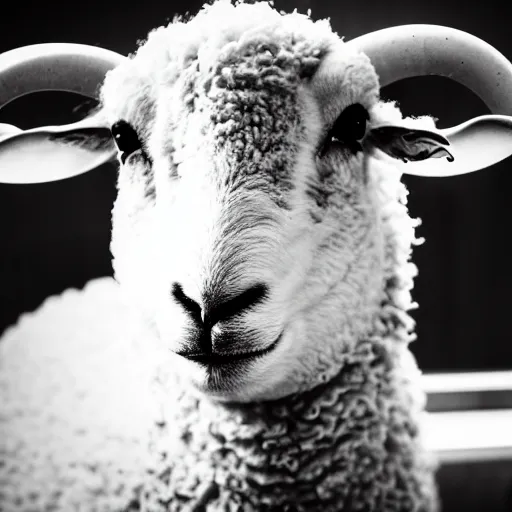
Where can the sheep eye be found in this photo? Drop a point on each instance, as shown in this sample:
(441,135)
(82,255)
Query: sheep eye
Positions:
(349,128)
(126,139)
(351,124)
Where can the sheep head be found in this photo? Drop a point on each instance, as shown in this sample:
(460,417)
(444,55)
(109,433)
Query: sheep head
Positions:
(256,159)
(241,219)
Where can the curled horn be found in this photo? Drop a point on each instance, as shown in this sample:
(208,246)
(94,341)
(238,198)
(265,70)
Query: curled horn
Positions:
(42,154)
(66,67)
(418,50)
(396,53)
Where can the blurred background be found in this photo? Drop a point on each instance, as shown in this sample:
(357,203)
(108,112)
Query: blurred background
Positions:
(57,235)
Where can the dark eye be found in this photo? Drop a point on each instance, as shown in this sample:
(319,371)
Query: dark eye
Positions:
(126,139)
(349,128)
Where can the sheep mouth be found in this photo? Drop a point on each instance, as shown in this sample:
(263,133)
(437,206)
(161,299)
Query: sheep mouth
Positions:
(218,359)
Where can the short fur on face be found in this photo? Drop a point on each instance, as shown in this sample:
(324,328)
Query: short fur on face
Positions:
(230,191)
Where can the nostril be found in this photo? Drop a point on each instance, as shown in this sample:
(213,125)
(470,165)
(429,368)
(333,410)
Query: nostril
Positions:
(218,308)
(188,304)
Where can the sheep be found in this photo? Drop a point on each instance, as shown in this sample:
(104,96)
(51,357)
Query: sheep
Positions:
(252,352)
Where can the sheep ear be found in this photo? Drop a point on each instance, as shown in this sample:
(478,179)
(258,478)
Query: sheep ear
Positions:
(53,153)
(8,130)
(473,145)
(409,144)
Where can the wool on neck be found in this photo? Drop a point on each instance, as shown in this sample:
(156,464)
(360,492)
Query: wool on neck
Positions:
(350,443)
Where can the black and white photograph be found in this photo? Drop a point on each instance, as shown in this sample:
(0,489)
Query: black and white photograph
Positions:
(255,256)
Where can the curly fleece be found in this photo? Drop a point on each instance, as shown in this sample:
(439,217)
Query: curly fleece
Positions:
(94,418)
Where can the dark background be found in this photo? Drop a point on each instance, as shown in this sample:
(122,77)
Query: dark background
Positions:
(56,235)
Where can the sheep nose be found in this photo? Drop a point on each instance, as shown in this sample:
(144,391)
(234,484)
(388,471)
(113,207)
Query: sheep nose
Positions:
(217,307)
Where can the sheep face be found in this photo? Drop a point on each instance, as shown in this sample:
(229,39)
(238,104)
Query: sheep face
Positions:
(245,226)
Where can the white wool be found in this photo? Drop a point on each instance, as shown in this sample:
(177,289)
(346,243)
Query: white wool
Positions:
(229,189)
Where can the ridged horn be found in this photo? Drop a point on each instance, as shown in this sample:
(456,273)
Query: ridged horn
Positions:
(419,50)
(46,153)
(66,67)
